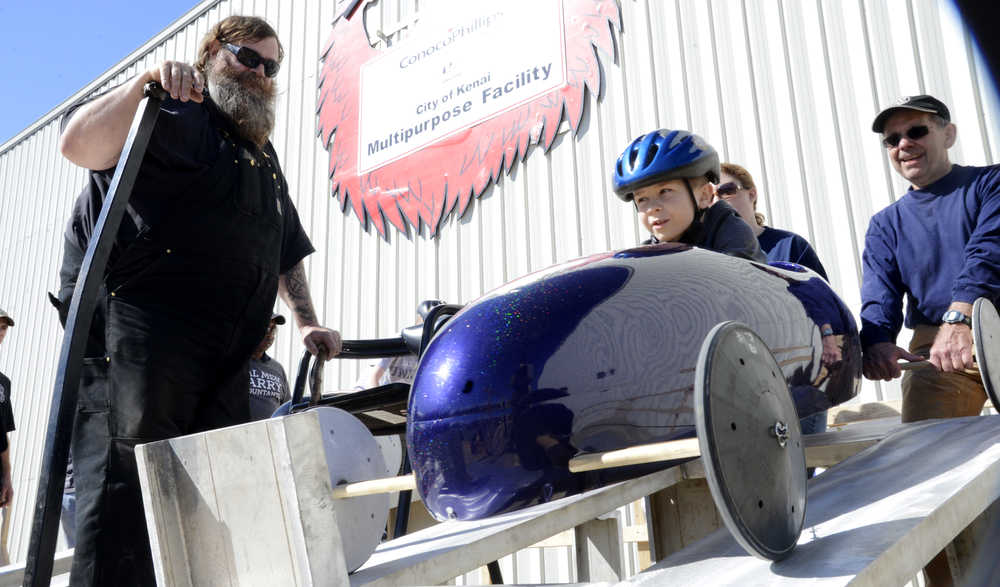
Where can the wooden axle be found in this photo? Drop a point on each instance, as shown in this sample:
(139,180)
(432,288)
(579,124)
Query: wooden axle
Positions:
(685,448)
(374,486)
(820,455)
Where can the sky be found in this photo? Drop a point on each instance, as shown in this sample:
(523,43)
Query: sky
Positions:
(51,49)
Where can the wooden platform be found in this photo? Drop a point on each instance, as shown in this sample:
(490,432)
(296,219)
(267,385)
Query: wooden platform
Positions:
(874,519)
(441,552)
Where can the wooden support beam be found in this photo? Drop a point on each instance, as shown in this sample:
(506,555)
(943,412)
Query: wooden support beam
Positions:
(599,550)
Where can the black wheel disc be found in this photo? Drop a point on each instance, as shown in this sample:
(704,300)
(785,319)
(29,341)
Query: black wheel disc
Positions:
(750,440)
(985,332)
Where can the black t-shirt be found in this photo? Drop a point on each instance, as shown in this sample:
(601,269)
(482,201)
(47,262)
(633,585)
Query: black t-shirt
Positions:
(80,226)
(6,412)
(188,140)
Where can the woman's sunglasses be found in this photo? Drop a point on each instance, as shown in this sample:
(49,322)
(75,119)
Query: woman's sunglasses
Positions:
(252,59)
(913,133)
(729,188)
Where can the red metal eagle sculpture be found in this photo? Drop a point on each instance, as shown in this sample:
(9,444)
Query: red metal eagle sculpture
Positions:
(425,185)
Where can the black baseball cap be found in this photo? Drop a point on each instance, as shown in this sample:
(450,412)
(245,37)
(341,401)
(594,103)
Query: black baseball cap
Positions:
(921,103)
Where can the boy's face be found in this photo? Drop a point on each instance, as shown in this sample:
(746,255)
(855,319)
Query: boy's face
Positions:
(665,209)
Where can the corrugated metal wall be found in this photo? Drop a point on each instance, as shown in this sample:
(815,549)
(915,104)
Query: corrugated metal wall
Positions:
(786,88)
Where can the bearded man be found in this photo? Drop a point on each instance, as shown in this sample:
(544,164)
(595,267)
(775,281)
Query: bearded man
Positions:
(210,237)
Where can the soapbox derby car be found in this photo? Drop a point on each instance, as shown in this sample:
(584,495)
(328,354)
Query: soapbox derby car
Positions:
(516,389)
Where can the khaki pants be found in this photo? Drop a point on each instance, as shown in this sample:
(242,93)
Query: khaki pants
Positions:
(929,393)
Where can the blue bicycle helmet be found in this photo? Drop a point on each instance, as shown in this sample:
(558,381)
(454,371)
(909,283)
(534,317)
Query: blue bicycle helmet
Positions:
(661,155)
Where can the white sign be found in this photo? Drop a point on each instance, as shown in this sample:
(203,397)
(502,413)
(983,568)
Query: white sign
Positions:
(488,58)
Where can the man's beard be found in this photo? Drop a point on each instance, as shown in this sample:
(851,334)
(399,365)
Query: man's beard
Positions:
(246,98)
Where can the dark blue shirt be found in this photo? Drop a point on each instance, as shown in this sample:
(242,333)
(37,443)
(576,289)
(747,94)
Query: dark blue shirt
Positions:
(786,246)
(935,246)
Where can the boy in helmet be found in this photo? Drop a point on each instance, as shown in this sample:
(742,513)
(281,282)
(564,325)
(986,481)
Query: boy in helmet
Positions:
(669,175)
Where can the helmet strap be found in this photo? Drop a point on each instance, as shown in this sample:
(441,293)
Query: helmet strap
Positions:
(693,234)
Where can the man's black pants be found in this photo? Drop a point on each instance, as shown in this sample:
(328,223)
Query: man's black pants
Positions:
(165,374)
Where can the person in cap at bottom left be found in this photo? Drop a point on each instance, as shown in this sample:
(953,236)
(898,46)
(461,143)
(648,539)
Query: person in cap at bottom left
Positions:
(268,383)
(6,422)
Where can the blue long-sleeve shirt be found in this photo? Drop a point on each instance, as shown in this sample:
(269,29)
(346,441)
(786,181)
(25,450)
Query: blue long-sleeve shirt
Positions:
(935,246)
(784,245)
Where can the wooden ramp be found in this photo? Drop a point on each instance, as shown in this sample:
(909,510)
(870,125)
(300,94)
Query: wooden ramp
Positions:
(904,492)
(876,518)
(441,552)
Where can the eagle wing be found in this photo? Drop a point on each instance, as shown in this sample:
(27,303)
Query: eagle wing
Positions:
(427,185)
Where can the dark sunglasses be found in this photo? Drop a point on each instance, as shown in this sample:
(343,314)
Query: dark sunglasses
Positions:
(913,133)
(729,188)
(252,59)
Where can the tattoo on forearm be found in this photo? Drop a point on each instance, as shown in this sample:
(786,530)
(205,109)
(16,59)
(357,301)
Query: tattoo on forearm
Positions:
(295,282)
(296,290)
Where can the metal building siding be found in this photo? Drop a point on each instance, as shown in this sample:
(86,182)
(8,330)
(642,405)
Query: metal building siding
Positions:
(31,238)
(38,187)
(786,88)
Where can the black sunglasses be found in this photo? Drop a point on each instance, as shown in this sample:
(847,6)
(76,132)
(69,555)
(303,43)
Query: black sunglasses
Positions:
(913,133)
(729,188)
(252,59)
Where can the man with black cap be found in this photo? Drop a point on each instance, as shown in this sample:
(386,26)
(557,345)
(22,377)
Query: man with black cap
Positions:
(6,422)
(939,246)
(268,383)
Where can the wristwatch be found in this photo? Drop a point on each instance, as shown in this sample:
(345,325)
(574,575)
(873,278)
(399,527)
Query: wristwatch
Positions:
(956,317)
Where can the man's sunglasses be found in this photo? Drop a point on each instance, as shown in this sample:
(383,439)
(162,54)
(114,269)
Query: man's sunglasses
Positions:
(729,188)
(913,133)
(252,59)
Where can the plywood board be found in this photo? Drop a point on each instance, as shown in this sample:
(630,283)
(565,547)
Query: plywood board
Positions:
(874,519)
